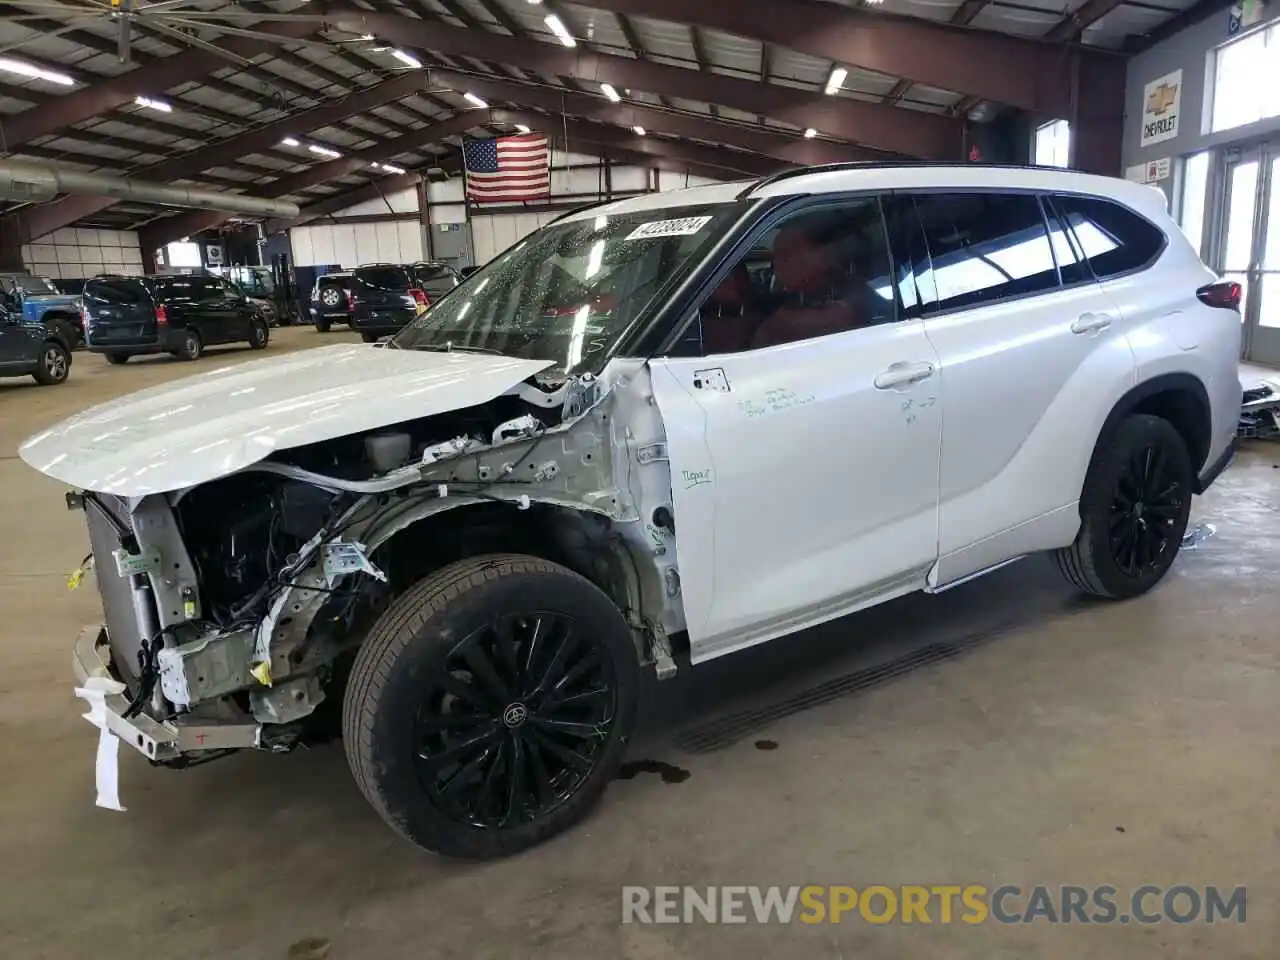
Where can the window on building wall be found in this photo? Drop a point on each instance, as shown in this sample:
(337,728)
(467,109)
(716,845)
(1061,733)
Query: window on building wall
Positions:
(1052,147)
(1191,206)
(1246,75)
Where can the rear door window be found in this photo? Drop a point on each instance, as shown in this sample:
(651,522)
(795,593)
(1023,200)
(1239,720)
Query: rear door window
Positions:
(985,247)
(1114,240)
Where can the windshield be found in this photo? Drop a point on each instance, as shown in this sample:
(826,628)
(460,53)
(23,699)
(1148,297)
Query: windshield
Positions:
(254,283)
(567,292)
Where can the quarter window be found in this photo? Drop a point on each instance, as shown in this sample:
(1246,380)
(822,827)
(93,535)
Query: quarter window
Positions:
(982,248)
(1113,239)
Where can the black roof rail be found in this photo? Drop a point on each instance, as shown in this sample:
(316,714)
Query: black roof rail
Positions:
(889,165)
(575,210)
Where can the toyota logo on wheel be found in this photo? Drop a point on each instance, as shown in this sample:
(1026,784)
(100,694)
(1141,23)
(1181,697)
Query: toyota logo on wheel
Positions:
(515,715)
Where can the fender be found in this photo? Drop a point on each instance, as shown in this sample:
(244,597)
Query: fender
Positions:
(1196,415)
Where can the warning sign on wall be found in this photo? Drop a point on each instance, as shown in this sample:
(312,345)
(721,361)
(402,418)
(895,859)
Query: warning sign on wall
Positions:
(1161,107)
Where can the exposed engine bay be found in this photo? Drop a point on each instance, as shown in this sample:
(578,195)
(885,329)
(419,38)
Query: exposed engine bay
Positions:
(249,594)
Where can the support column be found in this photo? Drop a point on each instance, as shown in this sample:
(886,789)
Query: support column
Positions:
(10,251)
(1097,123)
(424,218)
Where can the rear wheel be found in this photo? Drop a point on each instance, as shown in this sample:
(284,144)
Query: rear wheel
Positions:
(490,705)
(192,346)
(118,357)
(369,337)
(258,333)
(54,364)
(1133,511)
(322,326)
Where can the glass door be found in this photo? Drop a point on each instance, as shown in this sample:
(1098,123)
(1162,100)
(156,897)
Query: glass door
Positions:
(1250,246)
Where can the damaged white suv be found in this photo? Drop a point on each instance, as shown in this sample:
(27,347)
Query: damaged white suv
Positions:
(705,418)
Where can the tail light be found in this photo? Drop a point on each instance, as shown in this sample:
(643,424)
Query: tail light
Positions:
(162,317)
(351,303)
(1225,295)
(420,297)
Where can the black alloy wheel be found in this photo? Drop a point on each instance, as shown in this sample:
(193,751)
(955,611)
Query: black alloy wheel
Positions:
(1148,501)
(1134,510)
(514,721)
(491,704)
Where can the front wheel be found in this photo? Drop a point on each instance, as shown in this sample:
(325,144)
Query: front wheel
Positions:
(258,334)
(490,705)
(322,326)
(54,364)
(1133,510)
(118,358)
(370,337)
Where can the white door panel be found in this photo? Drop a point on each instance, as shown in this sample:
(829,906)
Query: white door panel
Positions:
(1003,367)
(802,490)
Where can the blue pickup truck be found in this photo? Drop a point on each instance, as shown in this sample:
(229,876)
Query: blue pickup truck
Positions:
(37,300)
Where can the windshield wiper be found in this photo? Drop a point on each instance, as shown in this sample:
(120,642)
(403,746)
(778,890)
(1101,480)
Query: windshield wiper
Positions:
(450,347)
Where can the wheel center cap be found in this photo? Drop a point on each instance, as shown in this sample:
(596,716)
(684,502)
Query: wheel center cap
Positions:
(1137,510)
(515,714)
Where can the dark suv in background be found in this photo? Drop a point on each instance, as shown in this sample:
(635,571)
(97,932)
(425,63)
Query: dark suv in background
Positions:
(177,314)
(384,297)
(39,348)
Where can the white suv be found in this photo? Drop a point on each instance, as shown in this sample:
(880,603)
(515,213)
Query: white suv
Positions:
(704,418)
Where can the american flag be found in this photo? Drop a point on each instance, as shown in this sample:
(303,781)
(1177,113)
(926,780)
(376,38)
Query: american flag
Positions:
(508,168)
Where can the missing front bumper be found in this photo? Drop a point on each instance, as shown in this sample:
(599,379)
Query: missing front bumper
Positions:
(161,741)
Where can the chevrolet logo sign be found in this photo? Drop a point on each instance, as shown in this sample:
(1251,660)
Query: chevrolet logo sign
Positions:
(1161,99)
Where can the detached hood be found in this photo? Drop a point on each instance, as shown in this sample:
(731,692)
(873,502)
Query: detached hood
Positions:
(203,427)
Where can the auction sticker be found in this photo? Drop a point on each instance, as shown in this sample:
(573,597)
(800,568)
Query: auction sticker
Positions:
(684,227)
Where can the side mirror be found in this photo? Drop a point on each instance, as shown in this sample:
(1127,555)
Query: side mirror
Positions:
(465,272)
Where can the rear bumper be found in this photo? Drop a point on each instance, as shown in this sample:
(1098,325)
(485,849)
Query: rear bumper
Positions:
(388,322)
(166,342)
(1211,472)
(157,740)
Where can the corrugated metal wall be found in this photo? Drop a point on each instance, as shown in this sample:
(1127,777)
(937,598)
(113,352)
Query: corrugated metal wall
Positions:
(76,254)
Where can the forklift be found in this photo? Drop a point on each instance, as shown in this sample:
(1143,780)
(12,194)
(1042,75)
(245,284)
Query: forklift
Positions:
(272,290)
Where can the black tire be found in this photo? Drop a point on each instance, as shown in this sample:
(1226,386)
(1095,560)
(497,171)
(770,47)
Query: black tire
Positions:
(54,364)
(118,357)
(494,705)
(192,346)
(370,337)
(322,326)
(1133,510)
(259,334)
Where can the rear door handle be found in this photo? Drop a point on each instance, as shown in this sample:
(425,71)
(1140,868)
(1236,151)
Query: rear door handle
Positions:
(1091,323)
(903,374)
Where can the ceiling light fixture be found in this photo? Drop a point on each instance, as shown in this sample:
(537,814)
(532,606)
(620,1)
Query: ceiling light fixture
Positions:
(36,73)
(611,93)
(323,151)
(639,131)
(153,104)
(390,168)
(288,142)
(810,133)
(556,26)
(473,99)
(407,58)
(836,80)
(522,128)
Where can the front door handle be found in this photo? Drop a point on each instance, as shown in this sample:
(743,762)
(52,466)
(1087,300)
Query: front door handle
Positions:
(903,374)
(1091,323)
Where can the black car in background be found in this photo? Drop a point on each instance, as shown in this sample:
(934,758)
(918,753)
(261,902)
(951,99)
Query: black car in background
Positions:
(384,297)
(331,300)
(37,348)
(435,277)
(177,314)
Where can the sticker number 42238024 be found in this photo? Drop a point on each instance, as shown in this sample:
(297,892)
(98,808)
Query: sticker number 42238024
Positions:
(683,227)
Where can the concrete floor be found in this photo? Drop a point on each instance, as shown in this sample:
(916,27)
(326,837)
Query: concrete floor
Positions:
(1064,742)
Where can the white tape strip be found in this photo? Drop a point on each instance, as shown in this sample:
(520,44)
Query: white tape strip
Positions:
(107,767)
